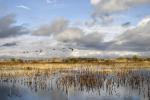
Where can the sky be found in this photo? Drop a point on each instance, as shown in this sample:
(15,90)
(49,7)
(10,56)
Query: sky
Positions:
(74,28)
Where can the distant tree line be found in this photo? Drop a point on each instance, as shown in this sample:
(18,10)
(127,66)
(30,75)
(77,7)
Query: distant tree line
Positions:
(134,58)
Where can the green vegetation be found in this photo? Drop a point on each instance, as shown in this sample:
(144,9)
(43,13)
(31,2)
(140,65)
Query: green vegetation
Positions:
(76,60)
(134,58)
(16,60)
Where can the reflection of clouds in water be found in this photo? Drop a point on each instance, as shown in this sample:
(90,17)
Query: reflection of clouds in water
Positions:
(70,84)
(111,98)
(25,94)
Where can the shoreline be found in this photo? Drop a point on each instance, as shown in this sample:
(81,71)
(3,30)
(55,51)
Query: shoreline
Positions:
(85,62)
(112,65)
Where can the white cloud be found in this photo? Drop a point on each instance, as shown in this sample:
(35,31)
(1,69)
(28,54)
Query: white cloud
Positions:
(95,2)
(70,35)
(23,7)
(101,54)
(110,31)
(135,39)
(116,5)
(104,9)
(28,46)
(55,27)
(8,27)
(85,41)
(144,21)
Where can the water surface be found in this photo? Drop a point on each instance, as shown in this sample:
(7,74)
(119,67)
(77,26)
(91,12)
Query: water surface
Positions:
(75,83)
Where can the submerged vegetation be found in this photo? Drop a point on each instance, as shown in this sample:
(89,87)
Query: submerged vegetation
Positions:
(85,79)
(105,79)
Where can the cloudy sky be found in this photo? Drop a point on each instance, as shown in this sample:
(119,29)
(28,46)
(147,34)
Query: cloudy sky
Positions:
(74,28)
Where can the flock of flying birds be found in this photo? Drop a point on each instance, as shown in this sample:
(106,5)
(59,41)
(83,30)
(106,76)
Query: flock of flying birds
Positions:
(54,49)
(37,51)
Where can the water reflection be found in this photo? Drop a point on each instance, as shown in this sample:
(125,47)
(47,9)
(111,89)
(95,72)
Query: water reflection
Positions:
(75,84)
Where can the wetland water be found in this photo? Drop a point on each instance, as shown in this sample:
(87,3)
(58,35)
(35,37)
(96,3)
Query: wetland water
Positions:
(75,83)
